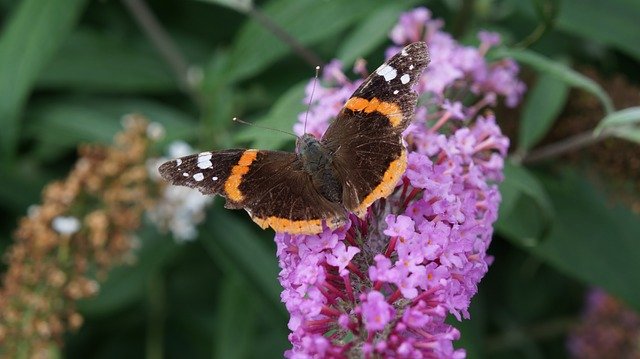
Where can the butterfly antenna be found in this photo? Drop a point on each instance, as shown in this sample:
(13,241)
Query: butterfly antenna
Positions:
(313,90)
(235,119)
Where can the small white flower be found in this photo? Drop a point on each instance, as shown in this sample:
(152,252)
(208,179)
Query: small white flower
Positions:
(155,131)
(152,166)
(33,210)
(65,225)
(180,209)
(179,149)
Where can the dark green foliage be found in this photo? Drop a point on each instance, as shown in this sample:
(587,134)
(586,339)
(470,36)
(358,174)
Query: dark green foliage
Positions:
(69,70)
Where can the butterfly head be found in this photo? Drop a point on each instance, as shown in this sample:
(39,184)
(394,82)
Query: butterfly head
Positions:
(313,154)
(306,144)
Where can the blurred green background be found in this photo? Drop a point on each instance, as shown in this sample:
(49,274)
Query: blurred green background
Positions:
(69,70)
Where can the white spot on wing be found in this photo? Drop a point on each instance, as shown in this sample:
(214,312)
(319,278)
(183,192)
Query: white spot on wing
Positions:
(405,79)
(178,162)
(215,178)
(404,52)
(388,72)
(395,92)
(204,160)
(198,176)
(410,67)
(185,174)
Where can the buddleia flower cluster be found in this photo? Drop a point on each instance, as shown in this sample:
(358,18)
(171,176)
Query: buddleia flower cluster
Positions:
(383,286)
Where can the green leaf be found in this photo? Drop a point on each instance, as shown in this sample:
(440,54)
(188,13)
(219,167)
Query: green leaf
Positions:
(238,5)
(473,337)
(592,240)
(29,179)
(544,103)
(308,21)
(560,71)
(612,22)
(127,284)
(372,31)
(92,61)
(32,35)
(630,134)
(65,122)
(623,124)
(282,116)
(627,117)
(236,320)
(239,250)
(520,185)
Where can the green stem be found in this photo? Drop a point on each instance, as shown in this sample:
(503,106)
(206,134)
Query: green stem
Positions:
(569,144)
(156,317)
(169,51)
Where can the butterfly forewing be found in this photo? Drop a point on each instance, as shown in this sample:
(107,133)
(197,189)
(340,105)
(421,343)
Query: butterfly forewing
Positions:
(202,171)
(366,137)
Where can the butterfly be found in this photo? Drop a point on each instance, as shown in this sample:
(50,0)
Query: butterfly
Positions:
(358,160)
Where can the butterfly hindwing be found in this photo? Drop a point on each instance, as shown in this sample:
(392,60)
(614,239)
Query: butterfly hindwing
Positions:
(270,185)
(366,137)
(281,195)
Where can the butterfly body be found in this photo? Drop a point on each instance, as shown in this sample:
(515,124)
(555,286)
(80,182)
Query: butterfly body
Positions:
(317,162)
(359,159)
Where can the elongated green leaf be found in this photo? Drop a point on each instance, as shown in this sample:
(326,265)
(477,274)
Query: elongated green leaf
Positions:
(623,124)
(236,320)
(29,39)
(126,284)
(631,134)
(92,61)
(30,182)
(372,31)
(613,22)
(592,240)
(627,117)
(238,5)
(520,185)
(560,71)
(543,105)
(282,116)
(232,244)
(67,121)
(308,21)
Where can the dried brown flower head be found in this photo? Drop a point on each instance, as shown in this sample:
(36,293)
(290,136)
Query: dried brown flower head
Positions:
(83,227)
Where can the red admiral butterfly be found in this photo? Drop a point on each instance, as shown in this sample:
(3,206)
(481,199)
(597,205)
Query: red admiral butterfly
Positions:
(359,159)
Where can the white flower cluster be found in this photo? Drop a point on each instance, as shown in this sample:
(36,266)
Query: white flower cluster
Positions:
(180,209)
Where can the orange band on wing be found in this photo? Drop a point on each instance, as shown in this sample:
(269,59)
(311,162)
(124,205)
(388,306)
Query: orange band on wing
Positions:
(289,226)
(388,109)
(388,184)
(311,226)
(232,185)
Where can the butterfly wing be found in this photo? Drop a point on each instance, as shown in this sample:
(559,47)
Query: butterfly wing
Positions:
(366,136)
(270,185)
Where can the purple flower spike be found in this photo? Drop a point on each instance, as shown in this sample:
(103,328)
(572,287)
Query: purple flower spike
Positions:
(384,285)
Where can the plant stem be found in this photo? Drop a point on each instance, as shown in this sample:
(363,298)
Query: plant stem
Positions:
(156,317)
(568,144)
(160,38)
(309,56)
